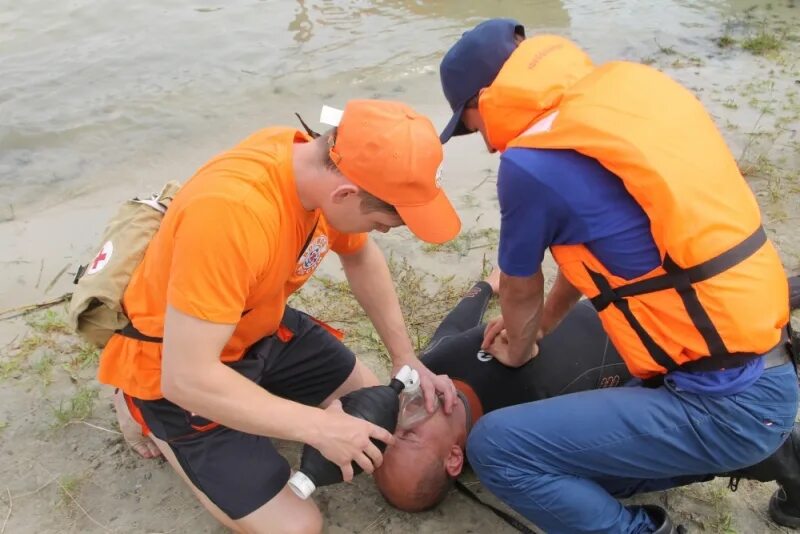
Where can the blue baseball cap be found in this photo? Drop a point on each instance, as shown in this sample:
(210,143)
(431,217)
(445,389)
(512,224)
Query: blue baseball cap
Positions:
(473,63)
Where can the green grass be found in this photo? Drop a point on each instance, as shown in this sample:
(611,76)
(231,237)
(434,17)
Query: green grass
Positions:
(81,357)
(77,408)
(730,104)
(763,43)
(666,50)
(44,368)
(722,524)
(466,241)
(69,486)
(9,368)
(424,298)
(32,342)
(726,41)
(49,322)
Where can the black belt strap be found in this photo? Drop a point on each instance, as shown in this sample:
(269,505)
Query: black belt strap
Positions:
(505,516)
(130,331)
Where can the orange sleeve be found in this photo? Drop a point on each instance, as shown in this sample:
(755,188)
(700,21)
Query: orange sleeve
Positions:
(348,243)
(220,248)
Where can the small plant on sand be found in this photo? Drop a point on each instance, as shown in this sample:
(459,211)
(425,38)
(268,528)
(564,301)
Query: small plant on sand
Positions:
(666,50)
(69,486)
(467,241)
(763,43)
(726,41)
(469,201)
(80,357)
(10,367)
(722,524)
(44,368)
(30,343)
(78,408)
(49,322)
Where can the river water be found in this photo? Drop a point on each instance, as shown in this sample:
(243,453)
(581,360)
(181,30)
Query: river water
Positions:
(94,94)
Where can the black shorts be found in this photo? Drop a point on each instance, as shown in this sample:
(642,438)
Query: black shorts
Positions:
(240,472)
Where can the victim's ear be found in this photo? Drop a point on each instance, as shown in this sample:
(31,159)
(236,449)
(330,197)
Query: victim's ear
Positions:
(343,193)
(454,462)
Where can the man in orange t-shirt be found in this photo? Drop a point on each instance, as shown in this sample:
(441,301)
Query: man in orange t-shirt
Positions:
(214,363)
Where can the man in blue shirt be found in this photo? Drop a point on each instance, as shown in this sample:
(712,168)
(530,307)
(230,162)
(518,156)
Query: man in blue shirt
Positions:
(560,462)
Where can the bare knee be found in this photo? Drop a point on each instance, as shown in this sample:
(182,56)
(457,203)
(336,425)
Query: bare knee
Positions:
(360,377)
(284,514)
(308,522)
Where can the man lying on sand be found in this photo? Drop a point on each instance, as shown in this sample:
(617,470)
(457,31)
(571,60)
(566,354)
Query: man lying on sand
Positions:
(419,469)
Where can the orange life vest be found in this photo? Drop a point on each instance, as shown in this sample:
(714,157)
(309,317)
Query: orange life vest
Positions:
(720,296)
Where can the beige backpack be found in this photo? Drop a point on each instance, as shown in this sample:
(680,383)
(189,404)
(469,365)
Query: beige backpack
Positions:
(95,309)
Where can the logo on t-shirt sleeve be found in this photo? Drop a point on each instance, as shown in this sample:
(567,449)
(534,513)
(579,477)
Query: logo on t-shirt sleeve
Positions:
(312,256)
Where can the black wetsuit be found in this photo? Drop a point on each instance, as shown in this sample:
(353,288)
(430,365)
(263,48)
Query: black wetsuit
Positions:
(576,356)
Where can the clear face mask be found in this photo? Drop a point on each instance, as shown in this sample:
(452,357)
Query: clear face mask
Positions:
(412,409)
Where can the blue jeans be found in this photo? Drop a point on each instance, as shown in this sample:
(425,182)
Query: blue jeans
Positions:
(560,462)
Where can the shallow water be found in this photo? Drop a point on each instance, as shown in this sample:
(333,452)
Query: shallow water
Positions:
(94,94)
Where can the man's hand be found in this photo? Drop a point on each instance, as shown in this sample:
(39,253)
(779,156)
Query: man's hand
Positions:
(495,342)
(493,329)
(431,385)
(342,439)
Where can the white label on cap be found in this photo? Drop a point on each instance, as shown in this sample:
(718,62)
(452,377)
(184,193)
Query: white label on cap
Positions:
(439,176)
(330,116)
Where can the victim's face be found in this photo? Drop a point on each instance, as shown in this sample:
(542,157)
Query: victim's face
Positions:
(419,457)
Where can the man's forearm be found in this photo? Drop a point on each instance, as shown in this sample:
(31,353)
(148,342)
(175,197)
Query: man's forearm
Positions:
(521,303)
(560,300)
(217,392)
(371,283)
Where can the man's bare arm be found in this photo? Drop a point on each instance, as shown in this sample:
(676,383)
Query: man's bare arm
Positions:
(371,283)
(561,298)
(512,338)
(194,378)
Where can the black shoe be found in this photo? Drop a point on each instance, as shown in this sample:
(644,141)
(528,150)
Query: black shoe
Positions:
(662,521)
(782,511)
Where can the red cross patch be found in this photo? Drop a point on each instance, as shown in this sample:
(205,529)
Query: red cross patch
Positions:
(102,258)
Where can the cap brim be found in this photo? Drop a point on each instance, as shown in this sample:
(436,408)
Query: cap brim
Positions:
(435,222)
(454,127)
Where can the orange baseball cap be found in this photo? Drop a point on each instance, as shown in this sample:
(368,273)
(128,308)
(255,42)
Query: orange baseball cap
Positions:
(394,153)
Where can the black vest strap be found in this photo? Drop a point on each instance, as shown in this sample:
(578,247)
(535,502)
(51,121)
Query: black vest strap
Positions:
(693,275)
(681,280)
